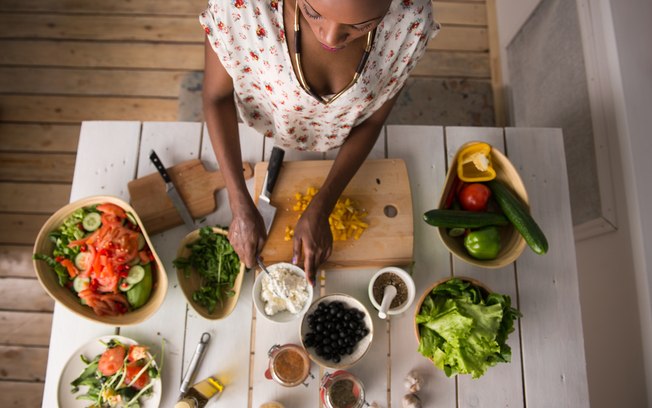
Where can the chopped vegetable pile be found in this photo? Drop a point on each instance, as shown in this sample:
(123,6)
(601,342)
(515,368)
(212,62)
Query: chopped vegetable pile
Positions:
(101,255)
(346,221)
(463,329)
(216,262)
(119,377)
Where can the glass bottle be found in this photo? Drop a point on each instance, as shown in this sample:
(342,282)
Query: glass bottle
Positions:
(342,389)
(199,394)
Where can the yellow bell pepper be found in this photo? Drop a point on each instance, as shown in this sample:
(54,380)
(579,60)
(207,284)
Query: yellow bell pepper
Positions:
(474,163)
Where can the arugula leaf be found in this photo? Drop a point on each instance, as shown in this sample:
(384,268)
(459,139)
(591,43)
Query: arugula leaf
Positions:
(463,329)
(216,262)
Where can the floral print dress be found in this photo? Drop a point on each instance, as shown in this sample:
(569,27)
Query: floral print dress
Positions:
(249,39)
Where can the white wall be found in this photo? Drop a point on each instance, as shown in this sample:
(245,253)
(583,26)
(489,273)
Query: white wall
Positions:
(630,66)
(614,267)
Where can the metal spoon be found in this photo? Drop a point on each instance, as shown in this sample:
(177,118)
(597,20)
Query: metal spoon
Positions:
(275,286)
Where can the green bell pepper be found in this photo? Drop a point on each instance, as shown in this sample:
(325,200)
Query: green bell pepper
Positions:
(483,243)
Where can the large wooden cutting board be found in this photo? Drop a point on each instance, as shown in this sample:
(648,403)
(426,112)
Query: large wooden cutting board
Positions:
(195,184)
(378,186)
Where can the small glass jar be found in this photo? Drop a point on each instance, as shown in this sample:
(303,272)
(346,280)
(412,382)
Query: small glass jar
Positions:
(341,389)
(289,365)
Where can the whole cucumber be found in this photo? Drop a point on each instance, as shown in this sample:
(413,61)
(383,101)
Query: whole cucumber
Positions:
(463,219)
(519,216)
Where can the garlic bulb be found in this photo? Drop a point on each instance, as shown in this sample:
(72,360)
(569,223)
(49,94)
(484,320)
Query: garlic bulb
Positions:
(411,401)
(413,381)
(374,405)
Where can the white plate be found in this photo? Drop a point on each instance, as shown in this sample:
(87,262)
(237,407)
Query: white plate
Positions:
(75,366)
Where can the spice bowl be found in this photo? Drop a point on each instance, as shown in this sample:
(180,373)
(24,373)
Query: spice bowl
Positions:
(401,280)
(512,243)
(283,316)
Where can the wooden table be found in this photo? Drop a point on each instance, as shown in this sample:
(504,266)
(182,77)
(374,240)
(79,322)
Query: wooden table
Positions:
(548,367)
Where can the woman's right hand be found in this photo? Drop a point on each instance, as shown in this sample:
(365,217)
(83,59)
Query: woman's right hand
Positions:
(247,233)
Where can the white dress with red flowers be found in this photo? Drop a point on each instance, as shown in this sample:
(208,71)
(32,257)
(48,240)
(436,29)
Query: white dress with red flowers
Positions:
(249,39)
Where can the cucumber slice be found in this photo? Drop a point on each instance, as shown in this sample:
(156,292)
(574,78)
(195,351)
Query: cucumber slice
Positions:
(80,283)
(456,232)
(131,218)
(82,260)
(125,286)
(136,274)
(141,241)
(92,221)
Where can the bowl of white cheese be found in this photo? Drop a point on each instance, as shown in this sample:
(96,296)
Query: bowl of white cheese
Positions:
(290,280)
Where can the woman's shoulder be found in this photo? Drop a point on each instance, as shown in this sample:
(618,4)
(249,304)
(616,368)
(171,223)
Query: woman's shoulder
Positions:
(243,11)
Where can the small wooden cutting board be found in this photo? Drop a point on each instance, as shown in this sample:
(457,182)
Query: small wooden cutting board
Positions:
(195,184)
(381,187)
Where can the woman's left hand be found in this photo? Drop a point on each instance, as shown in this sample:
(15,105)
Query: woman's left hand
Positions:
(313,240)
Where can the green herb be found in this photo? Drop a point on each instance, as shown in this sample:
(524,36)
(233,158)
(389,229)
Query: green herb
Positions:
(70,230)
(463,329)
(216,262)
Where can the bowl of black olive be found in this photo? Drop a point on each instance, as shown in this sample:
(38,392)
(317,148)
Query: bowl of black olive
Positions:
(336,331)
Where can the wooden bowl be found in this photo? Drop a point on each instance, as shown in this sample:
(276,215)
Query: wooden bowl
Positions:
(417,308)
(190,284)
(512,243)
(48,278)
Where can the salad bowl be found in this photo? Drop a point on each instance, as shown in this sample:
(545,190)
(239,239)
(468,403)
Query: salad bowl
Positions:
(65,294)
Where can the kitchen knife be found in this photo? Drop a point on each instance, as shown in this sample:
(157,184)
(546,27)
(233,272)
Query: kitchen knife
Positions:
(265,207)
(172,192)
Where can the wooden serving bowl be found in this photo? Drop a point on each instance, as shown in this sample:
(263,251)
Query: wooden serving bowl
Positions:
(512,243)
(190,284)
(48,278)
(417,308)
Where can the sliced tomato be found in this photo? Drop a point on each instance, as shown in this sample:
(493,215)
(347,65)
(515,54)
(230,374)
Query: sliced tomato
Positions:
(132,371)
(112,209)
(111,360)
(137,353)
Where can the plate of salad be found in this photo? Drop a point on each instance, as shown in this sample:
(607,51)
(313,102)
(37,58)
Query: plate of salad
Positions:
(111,371)
(95,258)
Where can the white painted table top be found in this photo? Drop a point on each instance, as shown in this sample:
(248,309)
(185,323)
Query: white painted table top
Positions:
(548,366)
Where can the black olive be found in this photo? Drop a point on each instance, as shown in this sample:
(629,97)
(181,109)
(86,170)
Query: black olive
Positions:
(326,340)
(336,359)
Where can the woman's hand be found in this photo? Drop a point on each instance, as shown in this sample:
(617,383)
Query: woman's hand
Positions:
(247,233)
(312,239)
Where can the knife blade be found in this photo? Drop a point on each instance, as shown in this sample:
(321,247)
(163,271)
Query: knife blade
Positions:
(265,207)
(172,192)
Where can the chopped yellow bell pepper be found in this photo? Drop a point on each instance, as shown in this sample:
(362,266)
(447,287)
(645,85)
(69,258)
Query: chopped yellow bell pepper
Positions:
(474,163)
(345,220)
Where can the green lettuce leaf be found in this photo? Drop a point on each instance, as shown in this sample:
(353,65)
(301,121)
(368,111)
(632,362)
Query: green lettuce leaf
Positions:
(464,330)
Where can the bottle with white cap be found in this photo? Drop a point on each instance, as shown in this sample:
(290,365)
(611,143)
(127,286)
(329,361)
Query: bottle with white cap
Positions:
(199,394)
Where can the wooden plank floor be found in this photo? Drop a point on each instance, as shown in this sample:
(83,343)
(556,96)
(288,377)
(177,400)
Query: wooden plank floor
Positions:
(65,61)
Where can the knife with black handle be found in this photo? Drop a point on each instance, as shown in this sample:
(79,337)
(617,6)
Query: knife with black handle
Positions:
(172,192)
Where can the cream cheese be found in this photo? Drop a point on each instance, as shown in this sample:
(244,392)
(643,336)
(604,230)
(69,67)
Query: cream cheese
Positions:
(294,286)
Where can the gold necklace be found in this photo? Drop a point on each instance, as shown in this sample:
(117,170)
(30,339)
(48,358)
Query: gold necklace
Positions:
(297,60)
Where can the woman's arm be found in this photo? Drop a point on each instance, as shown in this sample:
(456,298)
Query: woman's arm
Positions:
(312,237)
(247,230)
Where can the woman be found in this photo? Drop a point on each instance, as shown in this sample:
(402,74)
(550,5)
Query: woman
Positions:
(313,75)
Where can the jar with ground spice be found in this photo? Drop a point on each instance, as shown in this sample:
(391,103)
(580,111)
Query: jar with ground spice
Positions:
(341,389)
(401,280)
(289,365)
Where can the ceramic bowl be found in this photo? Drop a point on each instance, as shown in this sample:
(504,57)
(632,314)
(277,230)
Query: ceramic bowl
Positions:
(66,297)
(419,303)
(360,348)
(512,243)
(284,316)
(193,282)
(409,283)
